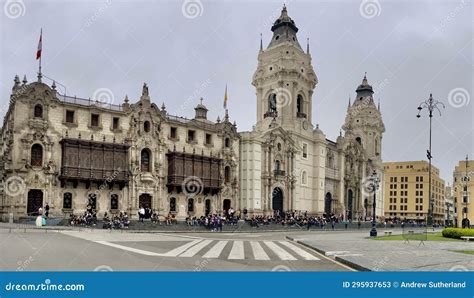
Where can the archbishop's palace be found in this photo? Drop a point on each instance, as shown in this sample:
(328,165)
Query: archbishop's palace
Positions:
(69,152)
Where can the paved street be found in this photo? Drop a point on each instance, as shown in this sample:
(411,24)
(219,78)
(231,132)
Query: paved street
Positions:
(356,249)
(117,250)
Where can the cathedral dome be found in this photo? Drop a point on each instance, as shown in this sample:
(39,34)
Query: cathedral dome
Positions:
(201,111)
(364,87)
(284,30)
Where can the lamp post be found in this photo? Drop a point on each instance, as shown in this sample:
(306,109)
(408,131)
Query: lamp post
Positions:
(430,105)
(465,195)
(374,186)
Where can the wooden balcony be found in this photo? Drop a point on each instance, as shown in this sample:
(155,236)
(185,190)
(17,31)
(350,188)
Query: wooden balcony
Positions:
(193,173)
(94,162)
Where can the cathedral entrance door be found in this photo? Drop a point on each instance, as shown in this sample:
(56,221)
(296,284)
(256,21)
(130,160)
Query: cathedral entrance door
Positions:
(350,203)
(144,201)
(328,204)
(277,200)
(35,201)
(226,205)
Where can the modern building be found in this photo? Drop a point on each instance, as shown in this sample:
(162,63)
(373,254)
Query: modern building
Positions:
(406,191)
(463,187)
(77,153)
(450,216)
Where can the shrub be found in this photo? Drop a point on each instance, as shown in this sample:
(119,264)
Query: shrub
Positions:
(457,233)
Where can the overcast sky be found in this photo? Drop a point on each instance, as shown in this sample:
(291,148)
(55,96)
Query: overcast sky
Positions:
(188,49)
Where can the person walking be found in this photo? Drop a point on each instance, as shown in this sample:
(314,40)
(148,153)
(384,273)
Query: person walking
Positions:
(46,210)
(141,214)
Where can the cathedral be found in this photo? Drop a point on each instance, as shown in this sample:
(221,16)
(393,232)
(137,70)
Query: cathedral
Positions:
(75,154)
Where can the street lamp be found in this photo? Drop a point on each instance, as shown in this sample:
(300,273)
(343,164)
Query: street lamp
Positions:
(374,186)
(430,105)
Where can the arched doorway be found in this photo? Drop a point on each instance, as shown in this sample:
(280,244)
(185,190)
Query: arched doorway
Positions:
(144,200)
(277,200)
(226,205)
(328,204)
(350,203)
(35,201)
(207,207)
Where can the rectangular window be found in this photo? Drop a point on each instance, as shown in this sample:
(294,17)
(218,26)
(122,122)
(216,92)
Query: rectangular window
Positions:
(208,139)
(69,116)
(115,122)
(191,134)
(94,120)
(173,132)
(305,151)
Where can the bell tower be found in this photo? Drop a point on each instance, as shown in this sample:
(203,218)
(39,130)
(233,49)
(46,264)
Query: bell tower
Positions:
(284,79)
(364,123)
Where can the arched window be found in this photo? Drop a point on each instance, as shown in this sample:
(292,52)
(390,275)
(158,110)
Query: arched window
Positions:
(272,103)
(38,112)
(299,105)
(190,205)
(145,160)
(67,200)
(277,165)
(37,155)
(359,140)
(146,126)
(304,178)
(114,202)
(172,204)
(227,142)
(92,201)
(227,174)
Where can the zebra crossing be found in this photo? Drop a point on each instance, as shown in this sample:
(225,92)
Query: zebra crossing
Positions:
(228,249)
(242,250)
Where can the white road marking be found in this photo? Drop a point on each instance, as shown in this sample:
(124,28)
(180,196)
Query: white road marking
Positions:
(301,252)
(131,249)
(258,252)
(216,250)
(181,249)
(237,252)
(195,249)
(280,252)
(337,252)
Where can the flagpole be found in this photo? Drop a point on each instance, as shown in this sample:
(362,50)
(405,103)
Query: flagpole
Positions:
(39,72)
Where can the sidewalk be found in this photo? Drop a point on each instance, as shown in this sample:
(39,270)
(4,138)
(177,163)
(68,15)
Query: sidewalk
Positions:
(357,251)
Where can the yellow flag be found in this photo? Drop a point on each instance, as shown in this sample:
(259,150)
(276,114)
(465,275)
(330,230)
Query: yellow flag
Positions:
(225,97)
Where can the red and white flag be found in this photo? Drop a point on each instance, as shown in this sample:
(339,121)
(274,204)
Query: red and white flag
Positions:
(40,46)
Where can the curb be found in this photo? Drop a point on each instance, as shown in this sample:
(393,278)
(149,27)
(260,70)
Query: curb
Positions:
(339,259)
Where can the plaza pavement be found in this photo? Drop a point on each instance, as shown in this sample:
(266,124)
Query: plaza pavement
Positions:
(358,251)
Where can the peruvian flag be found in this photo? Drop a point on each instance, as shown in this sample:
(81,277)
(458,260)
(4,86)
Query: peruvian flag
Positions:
(40,46)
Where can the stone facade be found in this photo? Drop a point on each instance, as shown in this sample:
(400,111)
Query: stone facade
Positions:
(72,152)
(286,162)
(39,117)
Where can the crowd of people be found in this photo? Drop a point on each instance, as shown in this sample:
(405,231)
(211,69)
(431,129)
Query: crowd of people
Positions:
(88,218)
(216,220)
(116,221)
